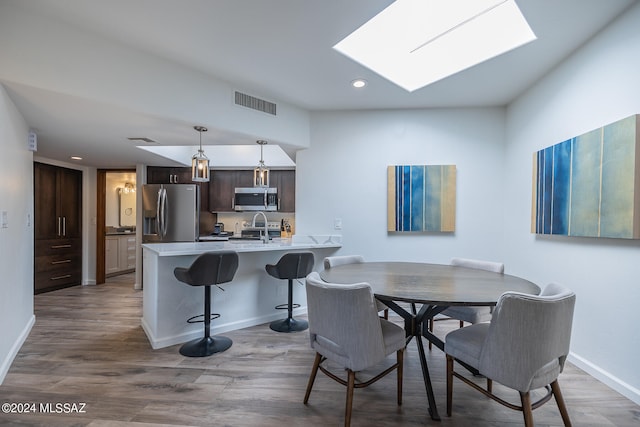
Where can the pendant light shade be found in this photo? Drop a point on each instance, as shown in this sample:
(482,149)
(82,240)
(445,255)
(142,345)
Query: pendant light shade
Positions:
(200,162)
(261,173)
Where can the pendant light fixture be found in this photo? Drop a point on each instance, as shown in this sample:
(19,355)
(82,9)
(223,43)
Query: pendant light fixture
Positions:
(200,162)
(261,173)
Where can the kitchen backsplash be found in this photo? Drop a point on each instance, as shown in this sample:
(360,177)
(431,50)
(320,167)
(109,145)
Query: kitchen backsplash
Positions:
(235,222)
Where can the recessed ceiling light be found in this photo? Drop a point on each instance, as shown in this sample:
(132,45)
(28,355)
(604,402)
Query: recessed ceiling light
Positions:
(414,43)
(359,83)
(76,158)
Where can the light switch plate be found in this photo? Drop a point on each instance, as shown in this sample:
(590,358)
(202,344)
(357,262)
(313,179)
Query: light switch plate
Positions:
(337,223)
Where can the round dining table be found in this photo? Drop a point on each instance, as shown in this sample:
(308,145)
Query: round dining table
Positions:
(432,286)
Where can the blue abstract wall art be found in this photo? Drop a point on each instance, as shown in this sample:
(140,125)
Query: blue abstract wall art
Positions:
(421,198)
(589,186)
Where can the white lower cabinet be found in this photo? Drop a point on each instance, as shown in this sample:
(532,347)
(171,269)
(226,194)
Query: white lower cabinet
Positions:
(120,254)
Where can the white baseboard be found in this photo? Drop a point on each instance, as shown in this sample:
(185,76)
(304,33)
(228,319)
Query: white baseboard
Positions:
(15,348)
(161,342)
(627,390)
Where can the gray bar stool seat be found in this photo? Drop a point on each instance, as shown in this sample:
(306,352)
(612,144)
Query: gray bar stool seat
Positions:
(211,268)
(294,265)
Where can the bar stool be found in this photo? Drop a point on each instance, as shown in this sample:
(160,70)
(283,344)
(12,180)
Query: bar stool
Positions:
(294,265)
(211,268)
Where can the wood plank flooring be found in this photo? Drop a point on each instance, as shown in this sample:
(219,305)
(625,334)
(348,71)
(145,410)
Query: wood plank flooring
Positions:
(87,347)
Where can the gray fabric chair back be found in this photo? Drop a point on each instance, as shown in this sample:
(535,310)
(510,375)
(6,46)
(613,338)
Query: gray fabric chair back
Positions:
(293,265)
(496,267)
(210,268)
(343,323)
(528,338)
(472,314)
(334,261)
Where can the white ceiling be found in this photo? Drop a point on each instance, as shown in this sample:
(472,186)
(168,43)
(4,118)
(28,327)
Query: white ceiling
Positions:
(281,49)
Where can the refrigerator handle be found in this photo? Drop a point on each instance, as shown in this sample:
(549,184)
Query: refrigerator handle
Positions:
(158,217)
(163,212)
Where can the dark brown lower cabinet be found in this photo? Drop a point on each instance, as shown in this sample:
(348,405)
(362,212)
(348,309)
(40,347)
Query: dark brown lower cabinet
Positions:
(58,264)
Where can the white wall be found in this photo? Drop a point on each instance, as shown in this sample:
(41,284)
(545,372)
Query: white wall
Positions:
(596,86)
(16,241)
(344,175)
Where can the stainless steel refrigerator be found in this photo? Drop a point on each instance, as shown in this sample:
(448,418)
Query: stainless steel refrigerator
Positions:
(170,213)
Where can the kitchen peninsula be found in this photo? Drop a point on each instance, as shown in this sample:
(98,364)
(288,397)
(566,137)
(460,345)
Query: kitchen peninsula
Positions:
(248,300)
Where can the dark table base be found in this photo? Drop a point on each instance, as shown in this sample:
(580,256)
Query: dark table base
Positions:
(413,326)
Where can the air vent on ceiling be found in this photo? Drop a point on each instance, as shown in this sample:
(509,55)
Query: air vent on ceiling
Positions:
(255,103)
(143,139)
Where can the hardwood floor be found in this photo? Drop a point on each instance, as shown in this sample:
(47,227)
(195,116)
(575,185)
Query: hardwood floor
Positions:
(87,347)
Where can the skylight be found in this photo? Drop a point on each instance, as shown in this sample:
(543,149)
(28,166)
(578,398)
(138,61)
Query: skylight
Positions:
(414,43)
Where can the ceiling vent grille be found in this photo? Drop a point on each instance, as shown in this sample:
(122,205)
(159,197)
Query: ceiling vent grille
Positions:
(142,139)
(255,103)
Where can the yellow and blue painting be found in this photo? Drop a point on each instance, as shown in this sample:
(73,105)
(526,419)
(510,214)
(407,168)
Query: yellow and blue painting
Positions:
(588,186)
(421,198)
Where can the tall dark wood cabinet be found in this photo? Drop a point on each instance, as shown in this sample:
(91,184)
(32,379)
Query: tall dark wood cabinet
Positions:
(58,227)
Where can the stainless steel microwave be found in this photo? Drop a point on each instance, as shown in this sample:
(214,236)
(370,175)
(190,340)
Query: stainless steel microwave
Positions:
(255,199)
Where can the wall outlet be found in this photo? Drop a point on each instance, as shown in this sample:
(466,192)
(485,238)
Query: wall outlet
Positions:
(337,223)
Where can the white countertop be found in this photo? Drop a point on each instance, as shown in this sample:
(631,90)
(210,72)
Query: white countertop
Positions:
(277,244)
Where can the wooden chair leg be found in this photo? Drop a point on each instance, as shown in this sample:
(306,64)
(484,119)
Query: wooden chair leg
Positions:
(489,385)
(386,314)
(400,357)
(555,387)
(312,377)
(527,411)
(350,387)
(449,384)
(462,323)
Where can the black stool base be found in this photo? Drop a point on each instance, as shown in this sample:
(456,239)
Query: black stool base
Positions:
(207,346)
(289,325)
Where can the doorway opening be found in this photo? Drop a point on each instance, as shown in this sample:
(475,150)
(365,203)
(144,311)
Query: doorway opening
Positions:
(116,223)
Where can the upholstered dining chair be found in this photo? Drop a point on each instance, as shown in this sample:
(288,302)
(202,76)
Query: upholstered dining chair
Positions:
(334,261)
(463,314)
(345,329)
(524,347)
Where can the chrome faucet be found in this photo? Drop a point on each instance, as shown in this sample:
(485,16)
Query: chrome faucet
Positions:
(265,235)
